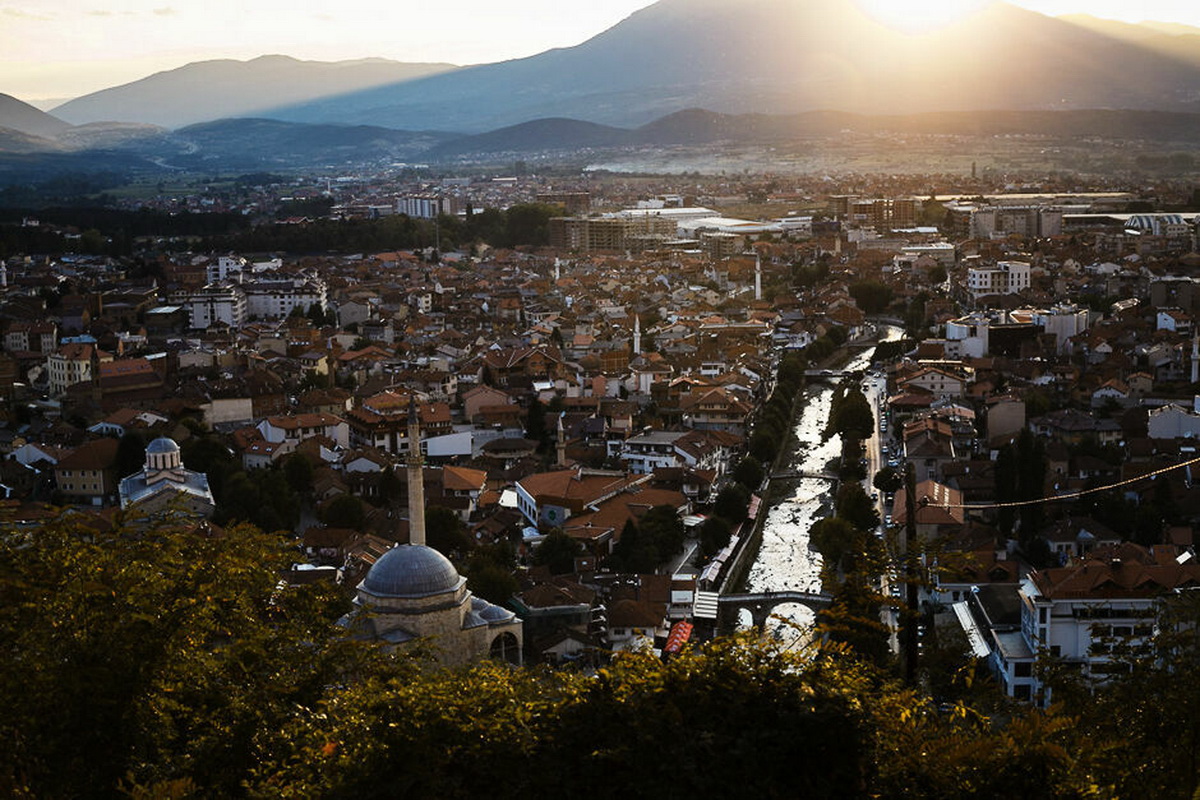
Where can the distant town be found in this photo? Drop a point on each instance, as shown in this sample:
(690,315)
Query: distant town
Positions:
(588,419)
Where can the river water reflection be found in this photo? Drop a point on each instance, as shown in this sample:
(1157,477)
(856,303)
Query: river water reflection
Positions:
(784,560)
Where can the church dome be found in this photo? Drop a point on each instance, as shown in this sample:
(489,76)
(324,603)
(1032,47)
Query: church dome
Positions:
(162,445)
(411,571)
(163,454)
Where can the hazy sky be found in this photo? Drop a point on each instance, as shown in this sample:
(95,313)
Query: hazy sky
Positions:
(65,48)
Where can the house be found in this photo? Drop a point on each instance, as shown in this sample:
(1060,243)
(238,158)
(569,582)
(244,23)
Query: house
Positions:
(88,475)
(939,508)
(1080,611)
(289,431)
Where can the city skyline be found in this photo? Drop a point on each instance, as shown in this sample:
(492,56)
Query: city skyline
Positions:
(62,49)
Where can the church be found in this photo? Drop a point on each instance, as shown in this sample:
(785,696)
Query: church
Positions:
(165,486)
(413,593)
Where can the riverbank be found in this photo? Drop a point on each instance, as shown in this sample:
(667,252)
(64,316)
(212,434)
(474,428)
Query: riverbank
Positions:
(792,502)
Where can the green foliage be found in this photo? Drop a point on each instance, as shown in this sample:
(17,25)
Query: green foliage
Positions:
(164,656)
(557,551)
(345,511)
(888,479)
(732,503)
(168,663)
(715,533)
(855,507)
(749,473)
(649,541)
(850,414)
(872,297)
(299,473)
(444,531)
(764,446)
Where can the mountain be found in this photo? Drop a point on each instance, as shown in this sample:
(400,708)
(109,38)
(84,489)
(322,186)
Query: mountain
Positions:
(208,90)
(263,143)
(538,134)
(19,116)
(783,56)
(701,127)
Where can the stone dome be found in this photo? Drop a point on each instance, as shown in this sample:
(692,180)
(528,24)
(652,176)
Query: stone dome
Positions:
(162,445)
(411,571)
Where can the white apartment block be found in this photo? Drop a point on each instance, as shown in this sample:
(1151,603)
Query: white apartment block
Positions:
(213,305)
(1064,321)
(1006,277)
(227,268)
(275,299)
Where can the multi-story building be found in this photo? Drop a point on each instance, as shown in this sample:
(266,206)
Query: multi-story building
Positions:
(1081,612)
(274,299)
(1006,277)
(72,363)
(215,304)
(427,206)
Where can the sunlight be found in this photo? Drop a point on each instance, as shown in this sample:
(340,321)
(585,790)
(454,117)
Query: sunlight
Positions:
(918,16)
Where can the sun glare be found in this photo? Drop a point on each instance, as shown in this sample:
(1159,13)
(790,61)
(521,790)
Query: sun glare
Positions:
(918,16)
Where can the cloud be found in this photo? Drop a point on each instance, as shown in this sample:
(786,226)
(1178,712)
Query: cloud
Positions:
(99,12)
(20,13)
(165,11)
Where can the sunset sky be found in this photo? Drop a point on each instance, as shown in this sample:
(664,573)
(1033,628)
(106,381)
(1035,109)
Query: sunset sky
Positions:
(65,48)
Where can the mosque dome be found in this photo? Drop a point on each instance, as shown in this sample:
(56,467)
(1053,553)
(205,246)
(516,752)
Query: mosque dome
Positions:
(411,571)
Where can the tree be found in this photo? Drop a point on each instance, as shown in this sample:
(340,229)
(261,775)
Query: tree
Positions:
(662,529)
(345,511)
(855,507)
(715,533)
(749,473)
(444,531)
(169,657)
(131,453)
(299,473)
(764,446)
(557,551)
(732,503)
(872,297)
(888,480)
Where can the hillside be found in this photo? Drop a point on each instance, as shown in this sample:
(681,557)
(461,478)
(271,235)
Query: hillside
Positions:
(781,57)
(210,90)
(19,116)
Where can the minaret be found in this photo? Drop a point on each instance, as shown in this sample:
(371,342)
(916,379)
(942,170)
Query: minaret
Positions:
(637,335)
(758,276)
(561,443)
(416,484)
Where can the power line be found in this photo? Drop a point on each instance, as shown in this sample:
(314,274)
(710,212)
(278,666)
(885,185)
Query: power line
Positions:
(925,501)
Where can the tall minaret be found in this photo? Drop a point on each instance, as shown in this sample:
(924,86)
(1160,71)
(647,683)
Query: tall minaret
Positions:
(637,335)
(1196,357)
(758,276)
(416,481)
(561,443)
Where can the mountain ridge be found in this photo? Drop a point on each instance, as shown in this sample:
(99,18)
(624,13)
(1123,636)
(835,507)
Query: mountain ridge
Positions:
(203,91)
(780,57)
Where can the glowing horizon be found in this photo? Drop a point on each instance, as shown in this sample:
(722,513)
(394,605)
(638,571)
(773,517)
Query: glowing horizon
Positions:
(65,48)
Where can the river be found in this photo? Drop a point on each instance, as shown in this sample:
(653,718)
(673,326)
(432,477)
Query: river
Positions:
(784,560)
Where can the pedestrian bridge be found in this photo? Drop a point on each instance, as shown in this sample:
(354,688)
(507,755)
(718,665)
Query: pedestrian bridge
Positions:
(792,474)
(762,604)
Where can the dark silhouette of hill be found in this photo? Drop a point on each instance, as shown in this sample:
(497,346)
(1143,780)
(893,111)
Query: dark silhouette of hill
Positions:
(783,57)
(700,127)
(209,90)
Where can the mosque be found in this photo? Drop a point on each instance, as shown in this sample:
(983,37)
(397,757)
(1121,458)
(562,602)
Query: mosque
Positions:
(413,592)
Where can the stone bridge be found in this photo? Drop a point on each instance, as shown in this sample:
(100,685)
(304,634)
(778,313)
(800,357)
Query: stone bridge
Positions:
(762,604)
